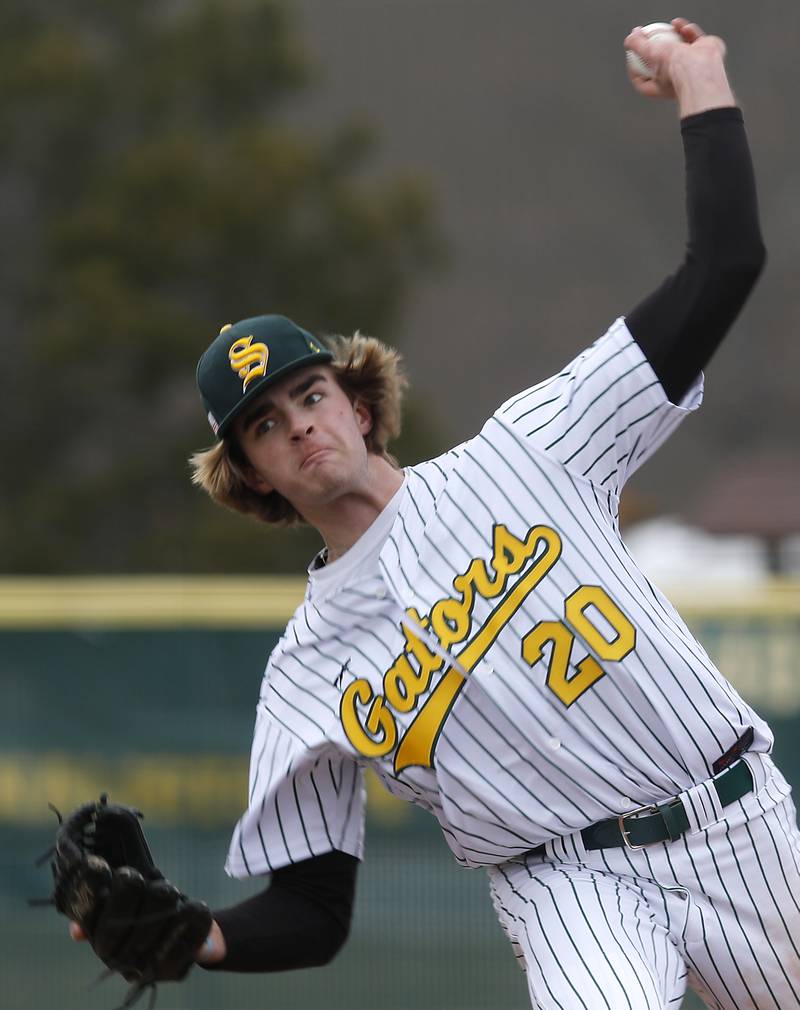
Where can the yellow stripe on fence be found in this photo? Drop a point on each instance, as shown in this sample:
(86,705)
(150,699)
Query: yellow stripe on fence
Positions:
(148,602)
(165,601)
(207,790)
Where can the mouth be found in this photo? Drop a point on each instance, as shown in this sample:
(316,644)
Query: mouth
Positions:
(313,457)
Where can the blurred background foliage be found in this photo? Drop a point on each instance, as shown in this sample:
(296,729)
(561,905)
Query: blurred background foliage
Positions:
(153,188)
(168,167)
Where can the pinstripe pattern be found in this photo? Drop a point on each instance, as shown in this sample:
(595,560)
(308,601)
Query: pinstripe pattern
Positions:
(513,765)
(587,939)
(487,545)
(719,909)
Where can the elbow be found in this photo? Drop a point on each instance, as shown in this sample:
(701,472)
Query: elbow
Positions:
(745,260)
(762,258)
(741,272)
(335,938)
(734,270)
(729,253)
(753,261)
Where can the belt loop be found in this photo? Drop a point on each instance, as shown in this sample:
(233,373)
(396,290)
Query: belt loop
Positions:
(758,764)
(702,805)
(676,825)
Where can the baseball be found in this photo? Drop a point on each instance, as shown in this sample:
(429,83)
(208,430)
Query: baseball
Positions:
(658,28)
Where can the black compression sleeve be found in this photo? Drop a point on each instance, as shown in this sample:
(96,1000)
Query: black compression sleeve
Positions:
(300,921)
(680,325)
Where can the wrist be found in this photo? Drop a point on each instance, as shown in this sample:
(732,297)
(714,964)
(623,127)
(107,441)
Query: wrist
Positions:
(700,86)
(214,948)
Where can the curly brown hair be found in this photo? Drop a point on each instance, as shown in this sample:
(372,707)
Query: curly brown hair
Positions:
(367,370)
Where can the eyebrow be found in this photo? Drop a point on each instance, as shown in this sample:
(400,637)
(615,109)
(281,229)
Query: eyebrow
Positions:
(265,406)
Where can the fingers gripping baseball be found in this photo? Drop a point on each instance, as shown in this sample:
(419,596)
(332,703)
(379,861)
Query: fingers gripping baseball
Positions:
(659,53)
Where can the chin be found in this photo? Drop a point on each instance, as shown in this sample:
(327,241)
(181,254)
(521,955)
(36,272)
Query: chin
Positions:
(327,486)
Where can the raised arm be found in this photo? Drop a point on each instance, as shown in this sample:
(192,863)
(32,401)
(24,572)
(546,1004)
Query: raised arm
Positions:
(680,325)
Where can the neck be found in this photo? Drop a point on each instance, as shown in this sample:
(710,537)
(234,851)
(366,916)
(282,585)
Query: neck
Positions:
(342,522)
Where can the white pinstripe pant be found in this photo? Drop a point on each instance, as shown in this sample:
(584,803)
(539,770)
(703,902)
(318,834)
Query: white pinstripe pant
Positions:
(614,929)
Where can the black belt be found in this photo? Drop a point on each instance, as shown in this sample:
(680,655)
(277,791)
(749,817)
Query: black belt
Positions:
(664,822)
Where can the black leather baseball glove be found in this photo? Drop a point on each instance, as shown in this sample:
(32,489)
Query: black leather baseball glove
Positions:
(137,922)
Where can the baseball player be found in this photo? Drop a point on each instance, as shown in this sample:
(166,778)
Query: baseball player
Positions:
(475,631)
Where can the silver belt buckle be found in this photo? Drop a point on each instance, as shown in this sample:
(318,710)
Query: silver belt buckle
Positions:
(626,838)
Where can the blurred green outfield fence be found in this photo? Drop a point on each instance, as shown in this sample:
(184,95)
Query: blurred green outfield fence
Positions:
(146,688)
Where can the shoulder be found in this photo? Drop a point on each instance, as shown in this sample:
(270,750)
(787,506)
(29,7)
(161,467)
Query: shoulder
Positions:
(611,356)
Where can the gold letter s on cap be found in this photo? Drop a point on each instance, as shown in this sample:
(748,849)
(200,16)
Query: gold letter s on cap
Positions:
(248,360)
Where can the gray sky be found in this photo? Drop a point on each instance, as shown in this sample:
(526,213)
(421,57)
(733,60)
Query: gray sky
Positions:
(561,194)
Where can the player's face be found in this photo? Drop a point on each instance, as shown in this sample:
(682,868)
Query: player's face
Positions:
(304,438)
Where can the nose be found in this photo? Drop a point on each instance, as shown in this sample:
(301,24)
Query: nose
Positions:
(301,428)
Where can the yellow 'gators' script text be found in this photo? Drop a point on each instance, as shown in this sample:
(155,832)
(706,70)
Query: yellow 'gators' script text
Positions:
(369,719)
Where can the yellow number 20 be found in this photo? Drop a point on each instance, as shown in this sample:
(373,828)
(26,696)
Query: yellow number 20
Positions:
(558,634)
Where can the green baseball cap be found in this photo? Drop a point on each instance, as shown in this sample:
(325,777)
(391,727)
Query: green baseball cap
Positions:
(248,357)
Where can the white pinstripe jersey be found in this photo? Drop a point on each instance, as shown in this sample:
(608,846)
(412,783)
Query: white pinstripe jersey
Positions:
(578,692)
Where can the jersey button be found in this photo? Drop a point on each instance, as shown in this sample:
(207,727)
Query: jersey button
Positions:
(625,802)
(553,743)
(380,593)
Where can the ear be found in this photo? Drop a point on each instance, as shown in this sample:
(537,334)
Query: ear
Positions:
(255,481)
(363,417)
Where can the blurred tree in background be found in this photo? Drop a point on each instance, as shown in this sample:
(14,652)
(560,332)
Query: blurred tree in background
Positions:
(152,188)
